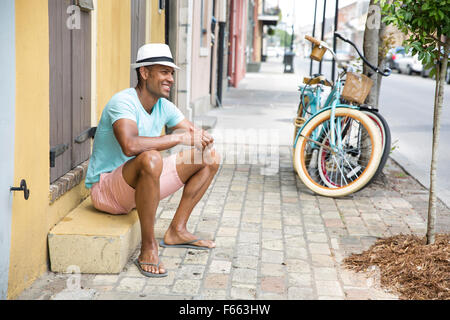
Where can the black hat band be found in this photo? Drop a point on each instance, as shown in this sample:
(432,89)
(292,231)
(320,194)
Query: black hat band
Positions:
(156,59)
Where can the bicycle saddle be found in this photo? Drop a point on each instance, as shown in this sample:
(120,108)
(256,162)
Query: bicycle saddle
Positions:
(317,79)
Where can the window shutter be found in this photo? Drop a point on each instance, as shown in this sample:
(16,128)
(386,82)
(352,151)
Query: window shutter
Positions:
(70,88)
(137,33)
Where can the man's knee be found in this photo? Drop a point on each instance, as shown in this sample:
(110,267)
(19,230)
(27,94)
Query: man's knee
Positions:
(210,159)
(214,161)
(150,163)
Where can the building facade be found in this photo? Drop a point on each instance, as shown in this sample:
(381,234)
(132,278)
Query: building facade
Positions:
(69,60)
(62,61)
(261,16)
(238,18)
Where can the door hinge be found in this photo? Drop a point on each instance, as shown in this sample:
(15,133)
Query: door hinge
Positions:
(56,152)
(89,133)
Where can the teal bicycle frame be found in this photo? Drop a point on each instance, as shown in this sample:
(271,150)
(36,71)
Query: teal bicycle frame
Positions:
(332,102)
(333,99)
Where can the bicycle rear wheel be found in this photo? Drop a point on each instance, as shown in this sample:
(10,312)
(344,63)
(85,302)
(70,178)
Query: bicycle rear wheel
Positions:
(336,174)
(385,131)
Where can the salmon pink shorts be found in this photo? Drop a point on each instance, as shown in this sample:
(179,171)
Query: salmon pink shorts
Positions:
(112,194)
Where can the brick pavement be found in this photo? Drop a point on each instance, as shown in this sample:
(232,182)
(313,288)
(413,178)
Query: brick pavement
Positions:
(275,239)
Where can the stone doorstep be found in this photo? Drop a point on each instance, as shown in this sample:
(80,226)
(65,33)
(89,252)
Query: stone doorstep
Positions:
(89,241)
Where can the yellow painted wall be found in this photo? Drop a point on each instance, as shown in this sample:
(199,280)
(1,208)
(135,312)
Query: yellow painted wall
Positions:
(113,49)
(33,218)
(156,22)
(29,224)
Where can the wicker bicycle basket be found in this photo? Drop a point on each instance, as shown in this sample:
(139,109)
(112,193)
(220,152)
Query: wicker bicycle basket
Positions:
(357,87)
(317,53)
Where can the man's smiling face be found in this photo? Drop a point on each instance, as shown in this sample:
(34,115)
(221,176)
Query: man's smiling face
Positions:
(159,80)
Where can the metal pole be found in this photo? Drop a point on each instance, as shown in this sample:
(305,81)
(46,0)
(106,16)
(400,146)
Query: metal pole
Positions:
(292,39)
(313,34)
(220,61)
(293,21)
(323,29)
(336,14)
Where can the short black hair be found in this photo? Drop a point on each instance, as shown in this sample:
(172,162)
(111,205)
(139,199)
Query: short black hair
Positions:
(138,74)
(139,77)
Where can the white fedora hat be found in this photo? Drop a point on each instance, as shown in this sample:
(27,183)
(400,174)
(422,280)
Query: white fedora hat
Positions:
(154,53)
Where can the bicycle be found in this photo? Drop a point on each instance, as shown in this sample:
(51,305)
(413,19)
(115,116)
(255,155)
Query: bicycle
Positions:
(315,96)
(337,148)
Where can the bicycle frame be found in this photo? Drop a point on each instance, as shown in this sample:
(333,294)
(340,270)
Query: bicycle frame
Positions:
(332,102)
(333,99)
(340,149)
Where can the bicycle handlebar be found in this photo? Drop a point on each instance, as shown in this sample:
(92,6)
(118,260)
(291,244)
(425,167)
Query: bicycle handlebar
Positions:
(386,72)
(313,40)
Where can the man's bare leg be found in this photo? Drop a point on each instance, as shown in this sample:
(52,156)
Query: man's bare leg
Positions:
(197,178)
(143,173)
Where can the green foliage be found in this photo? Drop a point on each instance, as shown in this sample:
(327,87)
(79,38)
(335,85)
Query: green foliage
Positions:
(424,21)
(285,37)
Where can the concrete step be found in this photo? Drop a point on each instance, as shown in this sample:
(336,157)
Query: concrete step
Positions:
(93,241)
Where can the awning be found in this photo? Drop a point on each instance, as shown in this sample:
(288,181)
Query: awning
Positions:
(269,20)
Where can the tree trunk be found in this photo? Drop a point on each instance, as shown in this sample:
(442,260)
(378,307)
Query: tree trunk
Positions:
(370,46)
(439,100)
(381,64)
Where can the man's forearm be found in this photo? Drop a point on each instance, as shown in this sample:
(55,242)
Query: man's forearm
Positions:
(137,145)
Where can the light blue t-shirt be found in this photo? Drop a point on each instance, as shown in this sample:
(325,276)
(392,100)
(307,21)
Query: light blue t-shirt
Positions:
(107,154)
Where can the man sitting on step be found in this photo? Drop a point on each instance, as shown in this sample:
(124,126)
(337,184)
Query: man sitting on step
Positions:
(126,170)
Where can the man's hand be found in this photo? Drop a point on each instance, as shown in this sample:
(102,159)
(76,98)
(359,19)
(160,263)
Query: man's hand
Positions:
(207,138)
(198,138)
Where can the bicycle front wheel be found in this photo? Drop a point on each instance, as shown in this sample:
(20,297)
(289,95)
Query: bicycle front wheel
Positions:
(340,171)
(300,116)
(298,122)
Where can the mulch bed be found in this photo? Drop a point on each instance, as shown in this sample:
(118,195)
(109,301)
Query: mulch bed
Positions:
(409,267)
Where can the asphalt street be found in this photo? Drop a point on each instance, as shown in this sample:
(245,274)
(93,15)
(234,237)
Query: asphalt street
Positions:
(407,104)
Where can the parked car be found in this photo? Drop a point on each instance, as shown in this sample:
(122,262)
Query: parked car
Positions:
(408,63)
(392,55)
